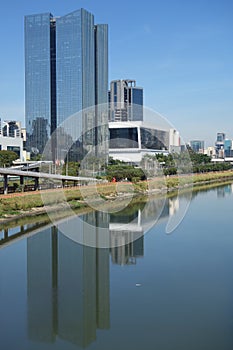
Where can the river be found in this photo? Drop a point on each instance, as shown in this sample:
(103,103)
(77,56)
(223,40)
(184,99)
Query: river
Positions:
(146,289)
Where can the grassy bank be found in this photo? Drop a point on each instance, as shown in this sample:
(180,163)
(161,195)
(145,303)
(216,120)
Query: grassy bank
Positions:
(31,203)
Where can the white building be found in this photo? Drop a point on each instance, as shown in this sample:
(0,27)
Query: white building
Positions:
(130,141)
(11,137)
(210,151)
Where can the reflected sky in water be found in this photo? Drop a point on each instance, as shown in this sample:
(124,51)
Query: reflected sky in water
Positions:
(159,291)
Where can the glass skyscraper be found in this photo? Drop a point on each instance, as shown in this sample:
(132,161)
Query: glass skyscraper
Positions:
(197,145)
(38,79)
(125,101)
(66,71)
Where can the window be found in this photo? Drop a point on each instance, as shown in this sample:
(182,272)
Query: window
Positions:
(14,149)
(154,139)
(124,138)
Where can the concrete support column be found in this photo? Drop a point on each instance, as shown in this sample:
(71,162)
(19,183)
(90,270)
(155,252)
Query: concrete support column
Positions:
(21,180)
(22,183)
(36,187)
(63,183)
(5,184)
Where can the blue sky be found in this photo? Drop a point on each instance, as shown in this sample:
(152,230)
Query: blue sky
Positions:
(180,52)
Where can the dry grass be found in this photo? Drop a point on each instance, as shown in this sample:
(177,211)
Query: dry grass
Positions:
(17,203)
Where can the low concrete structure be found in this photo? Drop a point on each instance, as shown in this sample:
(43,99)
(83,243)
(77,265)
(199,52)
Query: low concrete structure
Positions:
(130,141)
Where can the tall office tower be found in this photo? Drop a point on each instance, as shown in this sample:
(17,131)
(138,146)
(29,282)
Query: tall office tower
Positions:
(126,101)
(219,144)
(38,79)
(66,71)
(197,146)
(101,86)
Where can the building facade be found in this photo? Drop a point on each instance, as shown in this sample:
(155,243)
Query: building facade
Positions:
(197,146)
(125,101)
(66,71)
(228,148)
(219,144)
(11,137)
(131,141)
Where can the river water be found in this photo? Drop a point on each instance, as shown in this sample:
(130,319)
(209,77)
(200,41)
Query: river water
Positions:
(161,291)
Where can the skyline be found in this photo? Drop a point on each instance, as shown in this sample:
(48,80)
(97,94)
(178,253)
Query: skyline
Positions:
(179,53)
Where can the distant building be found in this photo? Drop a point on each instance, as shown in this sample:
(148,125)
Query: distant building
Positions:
(219,144)
(210,151)
(130,141)
(125,101)
(11,137)
(228,148)
(197,146)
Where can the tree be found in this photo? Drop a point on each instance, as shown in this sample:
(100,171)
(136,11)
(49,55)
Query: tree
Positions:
(123,171)
(7,158)
(72,167)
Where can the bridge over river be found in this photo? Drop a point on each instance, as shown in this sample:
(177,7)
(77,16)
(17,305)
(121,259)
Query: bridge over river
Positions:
(7,172)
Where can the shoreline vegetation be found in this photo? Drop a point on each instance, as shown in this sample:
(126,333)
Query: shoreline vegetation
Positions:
(30,204)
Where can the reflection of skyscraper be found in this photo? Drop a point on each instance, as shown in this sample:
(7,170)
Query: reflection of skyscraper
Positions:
(127,236)
(68,289)
(222,191)
(42,280)
(68,283)
(76,292)
(173,205)
(126,253)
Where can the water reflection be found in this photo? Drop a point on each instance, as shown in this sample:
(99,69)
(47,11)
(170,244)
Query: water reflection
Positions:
(68,284)
(9,234)
(137,215)
(63,295)
(68,289)
(223,191)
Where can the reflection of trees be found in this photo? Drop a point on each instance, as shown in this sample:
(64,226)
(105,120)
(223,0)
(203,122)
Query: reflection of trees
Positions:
(128,214)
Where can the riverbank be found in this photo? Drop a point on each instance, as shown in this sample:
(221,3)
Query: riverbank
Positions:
(19,205)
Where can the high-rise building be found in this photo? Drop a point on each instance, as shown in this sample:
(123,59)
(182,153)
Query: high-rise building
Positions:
(66,71)
(197,146)
(228,148)
(219,144)
(125,101)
